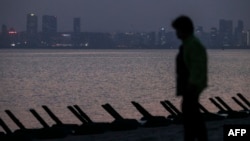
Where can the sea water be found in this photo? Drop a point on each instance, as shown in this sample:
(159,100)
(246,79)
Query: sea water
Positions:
(91,78)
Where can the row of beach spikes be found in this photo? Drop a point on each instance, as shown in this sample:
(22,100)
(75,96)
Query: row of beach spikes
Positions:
(88,126)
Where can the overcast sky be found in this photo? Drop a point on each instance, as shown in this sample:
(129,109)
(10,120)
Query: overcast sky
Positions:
(124,15)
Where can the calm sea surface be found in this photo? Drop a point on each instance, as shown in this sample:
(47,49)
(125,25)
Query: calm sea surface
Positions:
(90,78)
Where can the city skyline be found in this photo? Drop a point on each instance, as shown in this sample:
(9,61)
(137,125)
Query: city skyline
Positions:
(122,16)
(73,22)
(225,35)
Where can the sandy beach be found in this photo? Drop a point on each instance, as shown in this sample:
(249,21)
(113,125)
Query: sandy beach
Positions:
(173,132)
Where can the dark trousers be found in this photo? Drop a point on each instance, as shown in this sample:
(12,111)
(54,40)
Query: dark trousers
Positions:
(194,124)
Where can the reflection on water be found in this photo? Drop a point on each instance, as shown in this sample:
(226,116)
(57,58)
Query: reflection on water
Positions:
(90,78)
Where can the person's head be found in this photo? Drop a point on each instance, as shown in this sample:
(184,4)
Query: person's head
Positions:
(183,26)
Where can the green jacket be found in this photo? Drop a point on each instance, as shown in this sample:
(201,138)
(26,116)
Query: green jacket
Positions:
(195,58)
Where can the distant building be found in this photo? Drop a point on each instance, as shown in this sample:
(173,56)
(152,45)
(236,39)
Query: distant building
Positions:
(214,38)
(49,24)
(13,36)
(162,39)
(173,42)
(49,30)
(4,30)
(199,32)
(77,31)
(32,24)
(248,38)
(31,30)
(226,32)
(149,39)
(4,37)
(77,25)
(239,34)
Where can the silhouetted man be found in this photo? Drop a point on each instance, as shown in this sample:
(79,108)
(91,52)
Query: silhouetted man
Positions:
(191,70)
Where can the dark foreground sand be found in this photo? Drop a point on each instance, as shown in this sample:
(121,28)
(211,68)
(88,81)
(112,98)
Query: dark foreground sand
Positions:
(172,132)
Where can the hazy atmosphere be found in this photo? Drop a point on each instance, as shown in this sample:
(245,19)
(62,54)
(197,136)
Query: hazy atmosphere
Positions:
(123,15)
(91,60)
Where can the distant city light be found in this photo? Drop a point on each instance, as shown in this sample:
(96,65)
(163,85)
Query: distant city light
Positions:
(32,14)
(66,35)
(12,32)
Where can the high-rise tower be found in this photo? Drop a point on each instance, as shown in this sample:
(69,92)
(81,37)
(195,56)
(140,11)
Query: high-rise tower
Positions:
(77,25)
(32,24)
(226,32)
(49,29)
(239,34)
(49,24)
(32,30)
